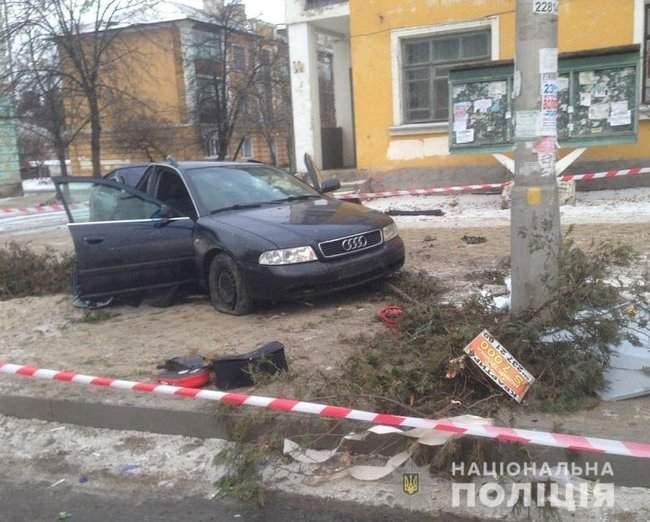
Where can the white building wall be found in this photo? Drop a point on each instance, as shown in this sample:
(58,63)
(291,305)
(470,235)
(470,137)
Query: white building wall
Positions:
(296,12)
(303,55)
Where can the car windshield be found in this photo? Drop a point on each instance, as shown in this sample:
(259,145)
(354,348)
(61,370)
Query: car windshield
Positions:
(222,188)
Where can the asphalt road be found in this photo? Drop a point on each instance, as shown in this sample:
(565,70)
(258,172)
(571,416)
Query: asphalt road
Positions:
(36,502)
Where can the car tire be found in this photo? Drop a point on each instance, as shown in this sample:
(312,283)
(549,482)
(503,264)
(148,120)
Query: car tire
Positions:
(228,292)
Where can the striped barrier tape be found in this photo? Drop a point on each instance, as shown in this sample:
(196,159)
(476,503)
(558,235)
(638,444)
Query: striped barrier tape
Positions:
(390,193)
(554,440)
(421,192)
(474,188)
(607,174)
(43,209)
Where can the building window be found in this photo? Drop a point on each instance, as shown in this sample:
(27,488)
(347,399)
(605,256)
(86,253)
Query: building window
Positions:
(206,98)
(266,59)
(247,148)
(213,145)
(239,58)
(426,63)
(207,46)
(646,44)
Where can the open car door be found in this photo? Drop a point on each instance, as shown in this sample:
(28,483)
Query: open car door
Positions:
(124,240)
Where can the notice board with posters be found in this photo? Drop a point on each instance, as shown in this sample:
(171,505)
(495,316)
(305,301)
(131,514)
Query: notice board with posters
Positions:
(598,102)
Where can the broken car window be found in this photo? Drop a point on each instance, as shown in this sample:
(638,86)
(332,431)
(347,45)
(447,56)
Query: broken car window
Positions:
(93,202)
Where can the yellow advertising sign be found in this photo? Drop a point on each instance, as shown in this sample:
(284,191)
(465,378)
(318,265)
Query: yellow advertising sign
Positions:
(500,365)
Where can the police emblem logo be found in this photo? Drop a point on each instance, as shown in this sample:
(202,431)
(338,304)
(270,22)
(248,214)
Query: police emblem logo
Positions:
(411,483)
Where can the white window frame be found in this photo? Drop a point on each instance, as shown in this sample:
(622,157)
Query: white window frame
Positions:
(640,38)
(396,39)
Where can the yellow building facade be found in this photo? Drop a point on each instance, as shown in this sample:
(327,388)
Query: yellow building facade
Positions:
(155,114)
(408,141)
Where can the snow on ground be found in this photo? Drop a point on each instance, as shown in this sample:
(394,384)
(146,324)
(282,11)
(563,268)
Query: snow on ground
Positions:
(469,210)
(38,185)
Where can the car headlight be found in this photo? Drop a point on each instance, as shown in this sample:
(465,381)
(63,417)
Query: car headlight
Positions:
(289,256)
(390,232)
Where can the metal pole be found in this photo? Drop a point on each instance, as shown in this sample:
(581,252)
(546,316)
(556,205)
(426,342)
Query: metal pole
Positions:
(535,215)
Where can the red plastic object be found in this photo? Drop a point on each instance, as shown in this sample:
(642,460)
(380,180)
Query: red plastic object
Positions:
(390,316)
(186,379)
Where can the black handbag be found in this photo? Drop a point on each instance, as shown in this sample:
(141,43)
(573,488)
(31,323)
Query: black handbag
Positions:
(234,371)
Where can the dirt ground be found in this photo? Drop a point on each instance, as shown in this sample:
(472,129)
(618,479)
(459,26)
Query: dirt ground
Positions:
(129,342)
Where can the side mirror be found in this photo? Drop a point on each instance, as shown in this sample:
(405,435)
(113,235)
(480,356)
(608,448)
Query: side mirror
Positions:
(330,185)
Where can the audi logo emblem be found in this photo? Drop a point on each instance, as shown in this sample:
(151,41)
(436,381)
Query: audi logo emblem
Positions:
(354,243)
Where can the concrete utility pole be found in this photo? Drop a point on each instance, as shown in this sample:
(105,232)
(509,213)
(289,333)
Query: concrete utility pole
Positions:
(535,214)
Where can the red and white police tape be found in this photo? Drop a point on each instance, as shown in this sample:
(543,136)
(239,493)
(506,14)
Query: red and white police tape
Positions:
(474,188)
(43,209)
(607,174)
(555,440)
(420,192)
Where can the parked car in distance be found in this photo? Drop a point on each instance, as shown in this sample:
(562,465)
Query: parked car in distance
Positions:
(242,232)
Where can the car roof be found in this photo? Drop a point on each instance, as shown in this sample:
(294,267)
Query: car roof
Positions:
(189,165)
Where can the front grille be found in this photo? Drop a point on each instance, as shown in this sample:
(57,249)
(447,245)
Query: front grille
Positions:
(346,246)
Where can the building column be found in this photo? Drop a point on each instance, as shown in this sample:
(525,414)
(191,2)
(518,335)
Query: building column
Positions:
(303,53)
(343,99)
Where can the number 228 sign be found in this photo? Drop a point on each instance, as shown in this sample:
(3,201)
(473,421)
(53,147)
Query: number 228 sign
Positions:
(500,365)
(545,6)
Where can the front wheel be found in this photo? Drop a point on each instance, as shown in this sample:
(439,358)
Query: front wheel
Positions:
(228,293)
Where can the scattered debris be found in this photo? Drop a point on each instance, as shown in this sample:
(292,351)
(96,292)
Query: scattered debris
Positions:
(57,483)
(368,473)
(500,365)
(391,315)
(128,468)
(456,366)
(87,304)
(188,372)
(197,378)
(83,479)
(474,240)
(400,293)
(628,375)
(429,239)
(397,212)
(496,290)
(64,516)
(237,371)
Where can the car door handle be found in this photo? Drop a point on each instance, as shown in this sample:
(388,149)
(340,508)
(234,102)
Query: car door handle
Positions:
(94,240)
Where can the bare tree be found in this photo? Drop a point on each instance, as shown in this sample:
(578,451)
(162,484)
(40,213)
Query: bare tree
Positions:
(40,106)
(271,97)
(84,36)
(141,129)
(230,56)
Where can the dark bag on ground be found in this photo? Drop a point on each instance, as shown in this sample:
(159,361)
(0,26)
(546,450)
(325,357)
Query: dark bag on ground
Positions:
(234,371)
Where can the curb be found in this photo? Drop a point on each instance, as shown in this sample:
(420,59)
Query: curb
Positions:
(115,417)
(218,424)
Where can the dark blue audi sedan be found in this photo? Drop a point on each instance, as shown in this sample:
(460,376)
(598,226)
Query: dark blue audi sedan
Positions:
(242,232)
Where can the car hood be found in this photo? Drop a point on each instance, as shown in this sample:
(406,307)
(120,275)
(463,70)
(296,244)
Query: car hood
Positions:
(305,222)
